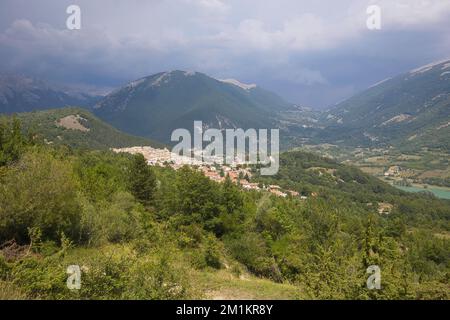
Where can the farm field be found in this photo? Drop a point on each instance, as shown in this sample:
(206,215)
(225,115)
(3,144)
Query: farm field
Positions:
(424,170)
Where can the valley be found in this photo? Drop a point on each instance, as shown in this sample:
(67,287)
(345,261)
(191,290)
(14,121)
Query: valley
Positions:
(152,232)
(401,122)
(192,150)
(142,224)
(420,171)
(414,138)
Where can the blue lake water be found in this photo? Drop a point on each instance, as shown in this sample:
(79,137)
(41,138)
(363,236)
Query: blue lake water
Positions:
(438,192)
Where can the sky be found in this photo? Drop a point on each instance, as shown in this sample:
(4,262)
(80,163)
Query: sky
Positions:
(312,53)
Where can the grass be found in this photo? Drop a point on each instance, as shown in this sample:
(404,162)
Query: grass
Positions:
(208,284)
(223,285)
(9,292)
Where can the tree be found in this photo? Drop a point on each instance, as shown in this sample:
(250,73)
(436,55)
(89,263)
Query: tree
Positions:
(197,196)
(329,274)
(142,180)
(231,196)
(12,142)
(371,243)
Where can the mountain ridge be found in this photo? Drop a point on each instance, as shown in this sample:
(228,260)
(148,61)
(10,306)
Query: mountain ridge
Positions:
(411,109)
(155,105)
(21,93)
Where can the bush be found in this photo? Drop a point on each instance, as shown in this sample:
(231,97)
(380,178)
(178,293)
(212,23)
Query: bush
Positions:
(190,236)
(39,191)
(40,278)
(105,277)
(9,291)
(208,255)
(157,280)
(212,254)
(5,268)
(115,221)
(251,250)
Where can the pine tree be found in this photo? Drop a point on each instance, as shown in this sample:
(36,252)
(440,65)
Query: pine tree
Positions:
(142,180)
(371,243)
(12,142)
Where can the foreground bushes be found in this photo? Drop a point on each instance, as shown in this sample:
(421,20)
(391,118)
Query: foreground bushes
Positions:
(251,250)
(85,197)
(39,191)
(116,273)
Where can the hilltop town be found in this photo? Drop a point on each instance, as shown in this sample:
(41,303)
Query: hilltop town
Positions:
(238,173)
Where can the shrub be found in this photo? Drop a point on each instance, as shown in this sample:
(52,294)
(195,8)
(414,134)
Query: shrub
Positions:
(105,277)
(115,221)
(40,278)
(39,191)
(157,280)
(8,291)
(212,254)
(251,250)
(5,268)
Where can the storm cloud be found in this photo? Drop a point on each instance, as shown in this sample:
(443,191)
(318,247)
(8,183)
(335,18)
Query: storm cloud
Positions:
(313,53)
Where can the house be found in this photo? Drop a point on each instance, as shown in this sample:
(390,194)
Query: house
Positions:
(385,208)
(393,171)
(249,186)
(233,175)
(278,193)
(293,193)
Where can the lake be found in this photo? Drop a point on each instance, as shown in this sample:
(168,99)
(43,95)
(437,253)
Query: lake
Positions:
(438,192)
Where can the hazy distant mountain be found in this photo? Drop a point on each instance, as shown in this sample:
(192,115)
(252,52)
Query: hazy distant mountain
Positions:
(156,105)
(412,109)
(22,94)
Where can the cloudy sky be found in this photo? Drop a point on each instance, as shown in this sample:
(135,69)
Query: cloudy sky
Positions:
(312,53)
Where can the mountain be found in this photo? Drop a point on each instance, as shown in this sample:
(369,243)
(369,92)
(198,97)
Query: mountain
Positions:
(156,105)
(22,94)
(411,110)
(77,127)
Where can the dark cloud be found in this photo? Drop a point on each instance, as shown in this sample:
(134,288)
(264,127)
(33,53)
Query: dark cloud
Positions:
(312,52)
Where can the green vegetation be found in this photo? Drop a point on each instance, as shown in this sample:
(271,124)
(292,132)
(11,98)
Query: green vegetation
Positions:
(409,112)
(142,232)
(421,169)
(142,180)
(11,141)
(156,105)
(89,132)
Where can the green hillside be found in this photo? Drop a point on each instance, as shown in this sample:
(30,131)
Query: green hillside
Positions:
(140,232)
(411,110)
(77,127)
(156,105)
